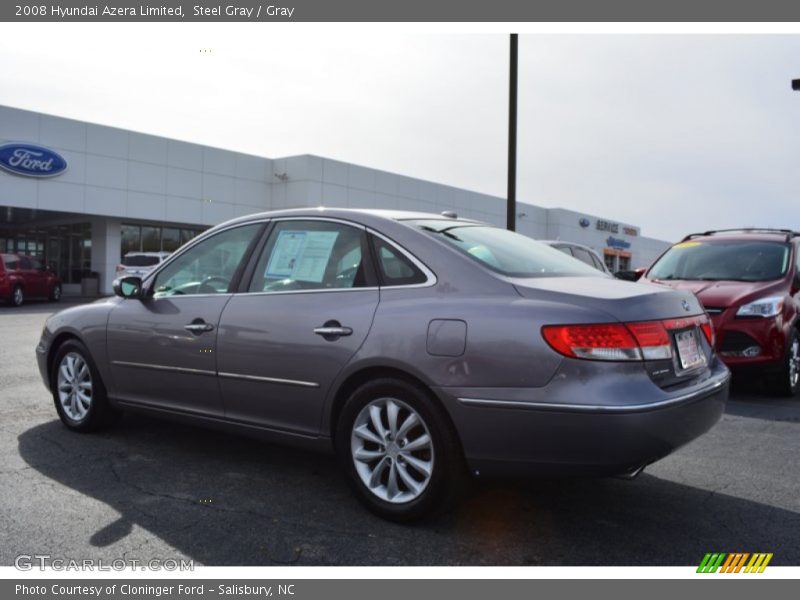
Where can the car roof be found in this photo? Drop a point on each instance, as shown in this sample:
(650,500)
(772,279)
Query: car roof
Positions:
(361,215)
(738,237)
(745,233)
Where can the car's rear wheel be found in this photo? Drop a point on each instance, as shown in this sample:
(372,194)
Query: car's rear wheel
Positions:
(399,450)
(786,381)
(55,294)
(78,391)
(17,296)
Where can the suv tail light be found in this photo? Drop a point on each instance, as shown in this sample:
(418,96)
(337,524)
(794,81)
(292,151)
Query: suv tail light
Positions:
(643,340)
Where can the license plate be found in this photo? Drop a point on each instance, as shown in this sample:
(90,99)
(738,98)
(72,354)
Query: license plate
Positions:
(688,350)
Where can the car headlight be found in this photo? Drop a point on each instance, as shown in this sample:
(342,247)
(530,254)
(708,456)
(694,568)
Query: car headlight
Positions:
(763,307)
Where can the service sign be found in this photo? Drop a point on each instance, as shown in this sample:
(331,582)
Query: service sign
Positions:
(31,160)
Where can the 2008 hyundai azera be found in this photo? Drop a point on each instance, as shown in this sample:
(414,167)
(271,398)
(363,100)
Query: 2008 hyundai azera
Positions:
(418,347)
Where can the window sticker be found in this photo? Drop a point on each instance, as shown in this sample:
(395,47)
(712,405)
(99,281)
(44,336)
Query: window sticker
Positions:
(301,255)
(686,244)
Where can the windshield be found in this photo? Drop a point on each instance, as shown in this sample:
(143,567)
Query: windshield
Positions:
(723,260)
(504,251)
(140,260)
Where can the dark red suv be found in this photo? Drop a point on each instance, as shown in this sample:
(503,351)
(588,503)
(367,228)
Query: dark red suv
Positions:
(748,282)
(26,277)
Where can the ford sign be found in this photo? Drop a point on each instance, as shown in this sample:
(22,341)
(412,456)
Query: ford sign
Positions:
(584,222)
(30,160)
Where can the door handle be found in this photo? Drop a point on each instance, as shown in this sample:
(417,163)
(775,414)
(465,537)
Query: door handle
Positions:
(333,331)
(198,326)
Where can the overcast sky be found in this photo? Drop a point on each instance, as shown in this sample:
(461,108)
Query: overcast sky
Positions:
(671,132)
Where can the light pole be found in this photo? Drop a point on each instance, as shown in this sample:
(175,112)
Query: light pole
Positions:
(511,207)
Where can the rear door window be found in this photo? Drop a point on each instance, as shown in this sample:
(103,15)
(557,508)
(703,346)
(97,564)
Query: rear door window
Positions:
(312,255)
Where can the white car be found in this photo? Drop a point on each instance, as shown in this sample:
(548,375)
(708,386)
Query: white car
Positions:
(139,264)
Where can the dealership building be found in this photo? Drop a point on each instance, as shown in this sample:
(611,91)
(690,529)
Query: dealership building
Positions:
(78,196)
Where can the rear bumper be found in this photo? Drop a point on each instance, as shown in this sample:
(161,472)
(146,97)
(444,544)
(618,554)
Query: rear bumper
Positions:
(503,437)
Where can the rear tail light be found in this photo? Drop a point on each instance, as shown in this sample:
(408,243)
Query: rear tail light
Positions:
(643,340)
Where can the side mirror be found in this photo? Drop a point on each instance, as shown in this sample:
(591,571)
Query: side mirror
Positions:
(128,287)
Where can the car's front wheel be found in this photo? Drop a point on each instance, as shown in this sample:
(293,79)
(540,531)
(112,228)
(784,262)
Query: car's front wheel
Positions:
(399,450)
(786,380)
(78,391)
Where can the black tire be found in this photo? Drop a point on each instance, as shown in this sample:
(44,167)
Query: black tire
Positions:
(17,296)
(100,413)
(448,472)
(786,381)
(55,293)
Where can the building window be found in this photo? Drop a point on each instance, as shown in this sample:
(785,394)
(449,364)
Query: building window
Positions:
(66,249)
(170,239)
(624,263)
(131,239)
(149,238)
(610,260)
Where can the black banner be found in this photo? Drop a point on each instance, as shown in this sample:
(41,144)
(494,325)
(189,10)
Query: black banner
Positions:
(732,588)
(406,11)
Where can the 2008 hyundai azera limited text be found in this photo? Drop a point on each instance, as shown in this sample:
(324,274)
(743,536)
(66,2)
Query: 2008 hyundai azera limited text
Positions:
(418,347)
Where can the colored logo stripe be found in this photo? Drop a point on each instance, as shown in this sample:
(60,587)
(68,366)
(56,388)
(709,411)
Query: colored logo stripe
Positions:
(734,562)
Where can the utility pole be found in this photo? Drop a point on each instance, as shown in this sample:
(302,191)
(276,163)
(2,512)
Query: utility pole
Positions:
(511,206)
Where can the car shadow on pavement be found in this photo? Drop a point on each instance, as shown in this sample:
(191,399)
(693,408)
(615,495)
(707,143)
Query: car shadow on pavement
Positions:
(226,500)
(750,397)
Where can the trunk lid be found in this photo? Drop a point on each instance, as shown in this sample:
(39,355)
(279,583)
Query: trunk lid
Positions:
(629,302)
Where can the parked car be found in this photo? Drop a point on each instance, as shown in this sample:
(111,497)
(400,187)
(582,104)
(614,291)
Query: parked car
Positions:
(749,284)
(23,276)
(410,344)
(634,275)
(140,263)
(582,253)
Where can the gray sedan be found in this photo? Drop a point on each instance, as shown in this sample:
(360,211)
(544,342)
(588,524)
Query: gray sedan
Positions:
(420,348)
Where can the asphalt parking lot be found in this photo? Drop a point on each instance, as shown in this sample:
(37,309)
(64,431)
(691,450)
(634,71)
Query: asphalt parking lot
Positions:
(149,489)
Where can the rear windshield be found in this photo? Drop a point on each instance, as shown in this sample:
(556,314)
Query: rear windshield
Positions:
(504,251)
(11,261)
(723,261)
(139,260)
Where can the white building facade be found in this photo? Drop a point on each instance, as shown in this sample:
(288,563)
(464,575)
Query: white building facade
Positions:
(124,191)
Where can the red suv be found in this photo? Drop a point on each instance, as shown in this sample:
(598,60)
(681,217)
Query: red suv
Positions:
(748,282)
(25,276)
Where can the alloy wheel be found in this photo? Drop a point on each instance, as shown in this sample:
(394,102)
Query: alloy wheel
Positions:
(74,382)
(18,297)
(392,450)
(794,363)
(57,292)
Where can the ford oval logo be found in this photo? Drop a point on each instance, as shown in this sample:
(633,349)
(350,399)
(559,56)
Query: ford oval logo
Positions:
(30,160)
(584,222)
